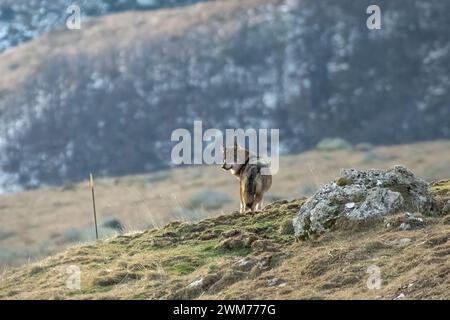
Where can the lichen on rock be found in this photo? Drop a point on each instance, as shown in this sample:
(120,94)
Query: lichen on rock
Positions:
(360,195)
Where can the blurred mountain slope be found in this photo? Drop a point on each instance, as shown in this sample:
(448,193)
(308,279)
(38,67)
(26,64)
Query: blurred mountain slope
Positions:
(97,34)
(23,20)
(107,98)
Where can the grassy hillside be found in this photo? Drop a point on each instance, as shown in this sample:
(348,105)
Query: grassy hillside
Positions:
(249,256)
(37,223)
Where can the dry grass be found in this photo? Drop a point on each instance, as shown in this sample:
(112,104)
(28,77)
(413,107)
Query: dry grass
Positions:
(413,263)
(162,262)
(249,256)
(39,219)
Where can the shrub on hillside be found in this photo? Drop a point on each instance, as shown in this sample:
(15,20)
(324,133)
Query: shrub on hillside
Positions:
(332,144)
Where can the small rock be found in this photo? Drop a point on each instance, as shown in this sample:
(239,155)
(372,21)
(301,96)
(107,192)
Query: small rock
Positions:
(414,218)
(401,296)
(412,222)
(246,263)
(196,284)
(191,291)
(274,282)
(405,226)
(406,222)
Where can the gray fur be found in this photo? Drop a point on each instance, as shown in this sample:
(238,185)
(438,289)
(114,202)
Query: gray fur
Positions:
(252,172)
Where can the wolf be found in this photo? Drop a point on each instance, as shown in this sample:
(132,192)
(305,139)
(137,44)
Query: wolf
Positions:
(246,166)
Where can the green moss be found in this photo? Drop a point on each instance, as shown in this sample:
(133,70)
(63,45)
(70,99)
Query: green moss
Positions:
(240,252)
(183,268)
(441,188)
(342,181)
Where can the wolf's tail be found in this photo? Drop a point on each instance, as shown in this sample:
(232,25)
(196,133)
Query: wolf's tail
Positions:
(250,186)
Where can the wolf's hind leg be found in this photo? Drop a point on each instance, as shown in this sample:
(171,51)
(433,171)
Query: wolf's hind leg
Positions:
(260,205)
(242,202)
(258,201)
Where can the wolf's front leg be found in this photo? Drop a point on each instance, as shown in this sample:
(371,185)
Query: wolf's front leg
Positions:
(241,202)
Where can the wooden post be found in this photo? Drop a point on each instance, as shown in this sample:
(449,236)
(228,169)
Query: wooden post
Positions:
(91,180)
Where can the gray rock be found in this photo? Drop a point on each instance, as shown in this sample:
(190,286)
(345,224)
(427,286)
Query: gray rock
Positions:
(401,296)
(246,263)
(379,201)
(409,221)
(275,282)
(412,221)
(405,226)
(191,291)
(196,284)
(360,195)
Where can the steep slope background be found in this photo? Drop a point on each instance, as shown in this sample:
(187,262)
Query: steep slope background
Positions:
(312,69)
(23,20)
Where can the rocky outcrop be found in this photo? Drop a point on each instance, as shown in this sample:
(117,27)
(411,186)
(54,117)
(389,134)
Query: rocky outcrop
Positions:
(360,195)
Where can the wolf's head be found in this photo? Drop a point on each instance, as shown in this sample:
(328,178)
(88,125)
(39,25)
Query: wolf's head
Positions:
(234,158)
